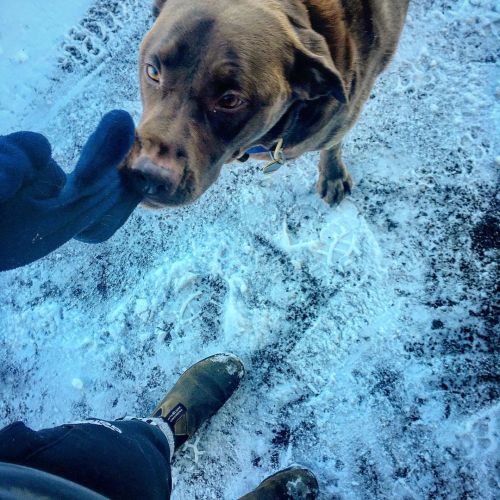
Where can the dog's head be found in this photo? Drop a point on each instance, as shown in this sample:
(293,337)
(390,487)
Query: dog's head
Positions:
(216,76)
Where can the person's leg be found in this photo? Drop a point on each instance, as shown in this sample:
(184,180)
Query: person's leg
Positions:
(128,458)
(21,483)
(116,459)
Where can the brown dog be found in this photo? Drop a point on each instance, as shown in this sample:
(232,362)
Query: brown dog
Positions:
(221,76)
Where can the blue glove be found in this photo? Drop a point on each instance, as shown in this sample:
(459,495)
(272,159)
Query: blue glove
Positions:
(41,208)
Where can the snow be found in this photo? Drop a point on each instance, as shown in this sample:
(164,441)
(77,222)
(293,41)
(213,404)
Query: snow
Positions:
(31,32)
(368,331)
(77,384)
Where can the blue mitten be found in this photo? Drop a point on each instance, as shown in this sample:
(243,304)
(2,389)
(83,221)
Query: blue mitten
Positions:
(41,208)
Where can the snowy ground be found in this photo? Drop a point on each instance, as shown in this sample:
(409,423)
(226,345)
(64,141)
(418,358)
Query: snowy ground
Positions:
(368,331)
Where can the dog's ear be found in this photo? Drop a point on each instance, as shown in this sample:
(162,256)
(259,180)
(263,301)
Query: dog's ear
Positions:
(314,74)
(157,6)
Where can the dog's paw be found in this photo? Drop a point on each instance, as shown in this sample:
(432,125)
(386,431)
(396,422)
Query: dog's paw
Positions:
(333,191)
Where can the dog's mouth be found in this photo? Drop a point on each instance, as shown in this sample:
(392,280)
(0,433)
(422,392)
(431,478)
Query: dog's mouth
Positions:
(184,194)
(161,184)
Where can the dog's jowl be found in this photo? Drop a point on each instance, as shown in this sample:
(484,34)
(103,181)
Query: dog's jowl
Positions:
(219,77)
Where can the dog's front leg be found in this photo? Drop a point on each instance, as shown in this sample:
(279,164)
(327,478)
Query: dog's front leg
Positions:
(334,181)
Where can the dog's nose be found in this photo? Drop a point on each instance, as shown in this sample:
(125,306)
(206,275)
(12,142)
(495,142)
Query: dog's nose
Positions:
(154,180)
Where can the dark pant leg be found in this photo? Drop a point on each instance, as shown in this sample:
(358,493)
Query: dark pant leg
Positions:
(120,460)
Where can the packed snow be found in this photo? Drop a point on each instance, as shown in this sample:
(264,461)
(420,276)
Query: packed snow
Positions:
(368,331)
(31,32)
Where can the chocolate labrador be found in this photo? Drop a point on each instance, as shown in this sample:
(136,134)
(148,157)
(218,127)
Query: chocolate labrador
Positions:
(219,77)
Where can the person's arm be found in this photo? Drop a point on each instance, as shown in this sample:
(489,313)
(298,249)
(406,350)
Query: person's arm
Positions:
(41,208)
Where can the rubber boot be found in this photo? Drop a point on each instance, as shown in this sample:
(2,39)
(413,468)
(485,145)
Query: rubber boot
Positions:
(294,483)
(198,394)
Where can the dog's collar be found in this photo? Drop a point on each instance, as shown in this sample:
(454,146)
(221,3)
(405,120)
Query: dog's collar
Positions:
(283,129)
(277,155)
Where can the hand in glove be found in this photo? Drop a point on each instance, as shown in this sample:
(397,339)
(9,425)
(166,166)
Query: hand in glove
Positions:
(41,208)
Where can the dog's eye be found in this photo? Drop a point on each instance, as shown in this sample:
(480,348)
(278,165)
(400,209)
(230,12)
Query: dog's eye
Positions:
(230,101)
(152,72)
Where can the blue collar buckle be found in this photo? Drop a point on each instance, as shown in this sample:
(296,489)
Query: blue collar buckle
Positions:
(278,158)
